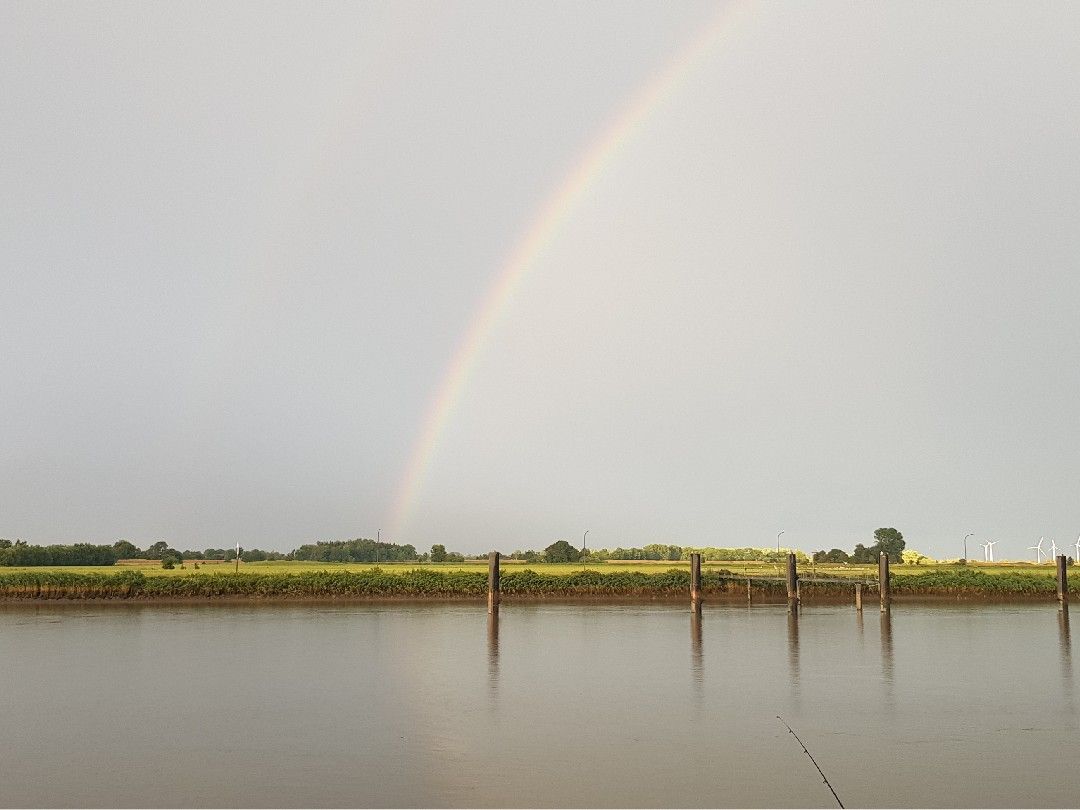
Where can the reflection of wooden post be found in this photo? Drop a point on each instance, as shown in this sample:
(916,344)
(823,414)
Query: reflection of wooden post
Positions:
(1062,580)
(748,598)
(883,581)
(695,582)
(858,596)
(493,582)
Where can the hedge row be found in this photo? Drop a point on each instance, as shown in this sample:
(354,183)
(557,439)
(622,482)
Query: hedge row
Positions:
(427,583)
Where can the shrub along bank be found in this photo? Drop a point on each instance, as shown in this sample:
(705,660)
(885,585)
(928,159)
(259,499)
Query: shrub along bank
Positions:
(421,583)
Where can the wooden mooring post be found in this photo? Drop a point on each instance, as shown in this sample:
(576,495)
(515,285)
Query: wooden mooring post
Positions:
(695,582)
(792,583)
(858,596)
(1062,580)
(883,581)
(493,582)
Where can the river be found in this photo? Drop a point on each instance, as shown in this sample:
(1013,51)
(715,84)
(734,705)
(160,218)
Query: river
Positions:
(575,705)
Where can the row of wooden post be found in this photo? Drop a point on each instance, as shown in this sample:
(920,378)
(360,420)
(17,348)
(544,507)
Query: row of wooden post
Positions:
(793,591)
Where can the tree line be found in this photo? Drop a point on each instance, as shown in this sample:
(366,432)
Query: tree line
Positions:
(561,551)
(889,541)
(20,553)
(364,550)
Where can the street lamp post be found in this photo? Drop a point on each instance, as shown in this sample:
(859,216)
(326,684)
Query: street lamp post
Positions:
(966,536)
(583,549)
(778,551)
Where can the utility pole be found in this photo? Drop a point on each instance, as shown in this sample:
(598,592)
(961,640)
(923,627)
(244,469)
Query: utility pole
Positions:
(583,549)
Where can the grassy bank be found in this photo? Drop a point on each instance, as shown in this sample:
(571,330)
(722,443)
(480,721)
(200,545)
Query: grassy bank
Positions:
(745,568)
(527,583)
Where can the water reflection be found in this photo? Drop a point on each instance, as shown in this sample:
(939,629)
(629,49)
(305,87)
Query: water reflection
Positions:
(1065,651)
(793,651)
(697,668)
(429,737)
(887,657)
(493,650)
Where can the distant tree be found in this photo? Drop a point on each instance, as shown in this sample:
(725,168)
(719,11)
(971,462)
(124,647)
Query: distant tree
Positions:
(912,557)
(891,542)
(837,555)
(359,550)
(157,551)
(125,550)
(561,552)
(168,562)
(862,554)
(78,554)
(4,543)
(438,553)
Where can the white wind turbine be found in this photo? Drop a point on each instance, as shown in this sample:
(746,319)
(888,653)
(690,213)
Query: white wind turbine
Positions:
(1038,551)
(1077,557)
(986,550)
(991,543)
(1053,549)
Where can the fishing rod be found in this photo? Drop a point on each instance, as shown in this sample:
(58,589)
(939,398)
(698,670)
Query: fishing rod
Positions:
(823,776)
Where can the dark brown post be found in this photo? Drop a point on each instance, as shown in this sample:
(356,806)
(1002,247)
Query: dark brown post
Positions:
(883,581)
(858,596)
(695,582)
(493,582)
(1062,579)
(792,582)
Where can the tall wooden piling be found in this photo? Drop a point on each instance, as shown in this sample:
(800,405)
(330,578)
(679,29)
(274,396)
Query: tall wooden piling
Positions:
(792,583)
(695,582)
(493,582)
(1062,579)
(883,581)
(858,596)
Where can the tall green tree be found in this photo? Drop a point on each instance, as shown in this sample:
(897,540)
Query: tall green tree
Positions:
(891,542)
(125,550)
(438,553)
(561,552)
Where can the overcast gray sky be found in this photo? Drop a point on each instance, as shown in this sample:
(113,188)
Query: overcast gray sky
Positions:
(829,282)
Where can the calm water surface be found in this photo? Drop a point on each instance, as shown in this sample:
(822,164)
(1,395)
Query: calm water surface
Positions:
(556,705)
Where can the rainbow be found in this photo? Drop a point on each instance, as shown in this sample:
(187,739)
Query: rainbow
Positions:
(600,154)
